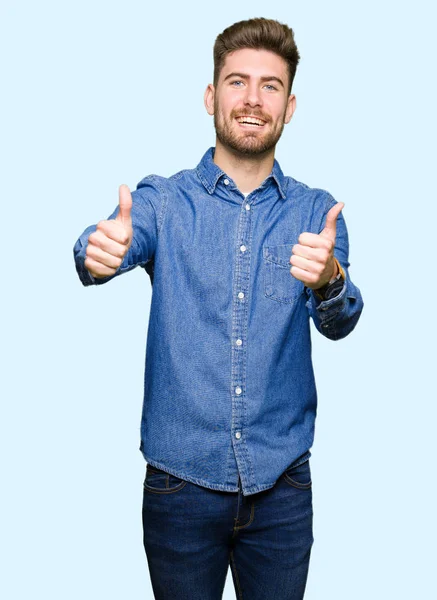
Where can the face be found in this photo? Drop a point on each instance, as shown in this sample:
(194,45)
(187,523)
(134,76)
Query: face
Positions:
(252,83)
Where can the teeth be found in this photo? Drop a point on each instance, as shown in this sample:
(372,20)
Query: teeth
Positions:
(252,120)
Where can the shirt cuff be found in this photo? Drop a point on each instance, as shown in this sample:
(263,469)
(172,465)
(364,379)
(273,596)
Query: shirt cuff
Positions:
(326,308)
(320,296)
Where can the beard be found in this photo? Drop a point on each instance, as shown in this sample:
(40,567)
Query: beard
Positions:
(248,143)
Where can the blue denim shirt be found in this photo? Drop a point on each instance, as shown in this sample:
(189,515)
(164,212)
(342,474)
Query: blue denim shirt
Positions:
(229,387)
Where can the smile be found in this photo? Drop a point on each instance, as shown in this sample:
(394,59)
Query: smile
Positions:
(250,123)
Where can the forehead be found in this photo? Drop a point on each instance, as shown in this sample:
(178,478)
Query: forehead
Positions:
(256,63)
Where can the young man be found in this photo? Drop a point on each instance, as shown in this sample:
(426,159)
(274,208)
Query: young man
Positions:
(240,257)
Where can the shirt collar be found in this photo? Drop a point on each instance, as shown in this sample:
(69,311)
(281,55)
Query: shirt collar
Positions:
(209,173)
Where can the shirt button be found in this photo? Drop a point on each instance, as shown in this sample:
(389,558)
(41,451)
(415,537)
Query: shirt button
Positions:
(238,390)
(226,181)
(243,248)
(240,294)
(247,206)
(238,435)
(239,342)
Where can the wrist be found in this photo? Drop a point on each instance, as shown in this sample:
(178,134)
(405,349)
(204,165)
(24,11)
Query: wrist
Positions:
(335,284)
(335,272)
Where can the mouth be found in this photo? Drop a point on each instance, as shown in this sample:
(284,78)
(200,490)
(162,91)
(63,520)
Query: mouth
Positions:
(250,122)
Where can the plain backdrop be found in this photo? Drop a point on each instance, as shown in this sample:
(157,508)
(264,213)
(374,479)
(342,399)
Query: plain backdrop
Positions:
(95,94)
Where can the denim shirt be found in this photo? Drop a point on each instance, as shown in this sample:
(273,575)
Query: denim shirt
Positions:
(229,389)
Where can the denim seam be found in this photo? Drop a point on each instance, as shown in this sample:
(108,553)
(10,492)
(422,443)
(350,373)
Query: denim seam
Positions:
(165,490)
(237,580)
(245,335)
(196,480)
(212,486)
(297,484)
(269,269)
(164,196)
(251,518)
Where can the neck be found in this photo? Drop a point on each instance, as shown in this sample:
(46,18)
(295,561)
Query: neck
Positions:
(248,172)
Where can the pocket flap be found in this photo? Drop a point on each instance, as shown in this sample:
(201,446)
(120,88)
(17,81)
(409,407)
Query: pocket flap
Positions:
(279,254)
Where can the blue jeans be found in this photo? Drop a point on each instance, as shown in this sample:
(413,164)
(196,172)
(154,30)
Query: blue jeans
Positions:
(193,533)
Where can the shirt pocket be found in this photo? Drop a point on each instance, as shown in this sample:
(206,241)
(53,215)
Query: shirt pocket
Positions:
(279,283)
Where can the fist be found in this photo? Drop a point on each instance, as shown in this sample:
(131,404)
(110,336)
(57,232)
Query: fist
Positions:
(109,244)
(313,257)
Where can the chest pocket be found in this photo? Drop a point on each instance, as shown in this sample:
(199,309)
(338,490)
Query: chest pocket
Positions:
(279,283)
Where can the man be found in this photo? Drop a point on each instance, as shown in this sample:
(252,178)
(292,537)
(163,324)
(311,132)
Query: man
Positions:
(240,257)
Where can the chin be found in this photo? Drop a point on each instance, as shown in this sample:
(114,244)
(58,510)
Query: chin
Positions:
(251,150)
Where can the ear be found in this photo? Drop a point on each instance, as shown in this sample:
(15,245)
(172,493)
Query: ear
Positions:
(291,107)
(209,99)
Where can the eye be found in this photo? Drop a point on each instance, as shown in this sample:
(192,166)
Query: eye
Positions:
(268,85)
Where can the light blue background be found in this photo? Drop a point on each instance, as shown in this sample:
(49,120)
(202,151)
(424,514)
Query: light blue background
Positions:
(96,94)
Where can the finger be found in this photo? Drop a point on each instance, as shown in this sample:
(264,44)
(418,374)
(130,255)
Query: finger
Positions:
(314,240)
(125,205)
(97,269)
(115,230)
(310,266)
(317,254)
(330,229)
(103,257)
(304,276)
(99,239)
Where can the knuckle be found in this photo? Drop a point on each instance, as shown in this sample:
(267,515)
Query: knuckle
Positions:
(89,250)
(93,238)
(89,266)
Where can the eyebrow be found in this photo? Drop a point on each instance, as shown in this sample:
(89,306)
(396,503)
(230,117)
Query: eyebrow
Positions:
(246,76)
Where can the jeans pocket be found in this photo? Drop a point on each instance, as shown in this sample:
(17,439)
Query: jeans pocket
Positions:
(161,482)
(299,476)
(279,283)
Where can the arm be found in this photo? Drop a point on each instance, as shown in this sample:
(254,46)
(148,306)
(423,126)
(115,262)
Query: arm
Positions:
(337,317)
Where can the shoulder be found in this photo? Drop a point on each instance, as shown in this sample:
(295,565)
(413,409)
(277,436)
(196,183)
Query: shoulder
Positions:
(164,184)
(317,197)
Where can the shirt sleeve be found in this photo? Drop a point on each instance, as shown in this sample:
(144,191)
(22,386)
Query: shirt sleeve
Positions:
(147,211)
(337,317)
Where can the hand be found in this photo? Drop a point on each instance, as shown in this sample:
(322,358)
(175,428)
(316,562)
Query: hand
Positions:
(109,244)
(313,257)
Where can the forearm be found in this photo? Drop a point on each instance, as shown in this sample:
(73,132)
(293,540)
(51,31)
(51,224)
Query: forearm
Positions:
(337,317)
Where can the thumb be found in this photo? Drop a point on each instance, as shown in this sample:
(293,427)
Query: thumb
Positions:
(125,206)
(330,229)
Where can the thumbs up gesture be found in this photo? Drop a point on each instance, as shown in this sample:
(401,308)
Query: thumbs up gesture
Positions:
(313,257)
(109,244)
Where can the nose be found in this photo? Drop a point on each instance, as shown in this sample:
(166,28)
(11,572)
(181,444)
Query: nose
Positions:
(253,96)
